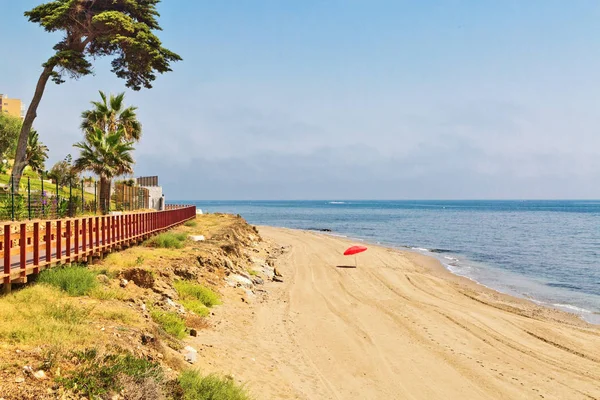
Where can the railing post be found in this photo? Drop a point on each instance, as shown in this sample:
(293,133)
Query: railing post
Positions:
(36,247)
(76,240)
(68,232)
(7,263)
(48,242)
(95,197)
(59,240)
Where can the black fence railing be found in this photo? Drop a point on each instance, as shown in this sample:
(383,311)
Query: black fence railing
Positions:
(38,198)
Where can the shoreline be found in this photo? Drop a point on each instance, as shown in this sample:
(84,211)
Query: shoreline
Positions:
(569,309)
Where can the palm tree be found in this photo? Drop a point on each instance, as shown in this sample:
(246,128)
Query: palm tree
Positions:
(37,152)
(111,115)
(107,154)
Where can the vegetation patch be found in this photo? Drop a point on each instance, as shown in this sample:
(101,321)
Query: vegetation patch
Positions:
(43,315)
(75,280)
(191,224)
(191,291)
(211,387)
(171,322)
(168,240)
(99,375)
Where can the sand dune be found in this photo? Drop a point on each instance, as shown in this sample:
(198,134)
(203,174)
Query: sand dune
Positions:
(397,327)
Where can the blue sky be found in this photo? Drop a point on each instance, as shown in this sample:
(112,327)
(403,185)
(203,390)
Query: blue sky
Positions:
(350,99)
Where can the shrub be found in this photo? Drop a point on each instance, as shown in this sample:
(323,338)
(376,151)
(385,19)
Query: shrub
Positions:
(188,290)
(167,240)
(99,375)
(75,280)
(191,224)
(172,323)
(196,306)
(211,387)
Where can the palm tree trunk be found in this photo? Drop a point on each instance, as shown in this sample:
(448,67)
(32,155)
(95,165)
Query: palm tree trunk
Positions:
(21,153)
(104,194)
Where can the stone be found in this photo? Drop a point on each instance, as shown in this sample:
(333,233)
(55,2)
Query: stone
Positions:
(191,357)
(19,379)
(276,272)
(197,238)
(186,272)
(103,279)
(39,375)
(147,338)
(124,283)
(241,280)
(27,370)
(190,349)
(277,278)
(257,280)
(193,332)
(229,264)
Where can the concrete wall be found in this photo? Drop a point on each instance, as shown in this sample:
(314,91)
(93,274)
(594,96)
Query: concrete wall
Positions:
(156,193)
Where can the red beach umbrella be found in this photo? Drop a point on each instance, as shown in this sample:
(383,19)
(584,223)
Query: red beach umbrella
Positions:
(353,251)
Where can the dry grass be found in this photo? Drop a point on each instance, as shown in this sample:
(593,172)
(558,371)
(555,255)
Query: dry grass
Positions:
(45,315)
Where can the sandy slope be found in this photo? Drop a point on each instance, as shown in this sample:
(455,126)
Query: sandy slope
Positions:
(396,327)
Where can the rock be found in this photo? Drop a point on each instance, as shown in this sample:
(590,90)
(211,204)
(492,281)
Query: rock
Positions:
(241,280)
(193,332)
(229,264)
(198,211)
(276,272)
(147,338)
(164,289)
(141,277)
(186,272)
(191,357)
(19,379)
(40,375)
(197,238)
(190,349)
(103,279)
(257,280)
(277,278)
(27,370)
(123,283)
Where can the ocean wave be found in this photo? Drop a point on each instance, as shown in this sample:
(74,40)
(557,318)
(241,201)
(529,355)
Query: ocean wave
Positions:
(573,308)
(420,249)
(337,202)
(441,251)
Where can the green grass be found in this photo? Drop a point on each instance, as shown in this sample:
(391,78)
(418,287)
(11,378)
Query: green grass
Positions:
(172,323)
(253,272)
(75,280)
(36,186)
(196,306)
(100,375)
(211,387)
(191,224)
(167,240)
(188,290)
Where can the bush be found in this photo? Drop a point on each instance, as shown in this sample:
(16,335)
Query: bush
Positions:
(211,387)
(75,280)
(191,224)
(100,375)
(167,240)
(188,290)
(172,323)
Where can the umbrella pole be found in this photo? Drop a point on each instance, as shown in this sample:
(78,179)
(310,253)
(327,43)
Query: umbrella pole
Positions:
(355,264)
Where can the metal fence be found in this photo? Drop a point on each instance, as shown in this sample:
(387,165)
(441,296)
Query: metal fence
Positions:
(38,198)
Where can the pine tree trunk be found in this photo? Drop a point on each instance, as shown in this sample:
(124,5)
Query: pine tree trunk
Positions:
(104,195)
(21,153)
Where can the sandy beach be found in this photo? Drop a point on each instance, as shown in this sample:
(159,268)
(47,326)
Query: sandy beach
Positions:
(397,327)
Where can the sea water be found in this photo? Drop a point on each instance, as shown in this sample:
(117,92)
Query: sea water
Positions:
(545,251)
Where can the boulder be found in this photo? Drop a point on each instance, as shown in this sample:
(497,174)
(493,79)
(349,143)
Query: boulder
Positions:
(239,280)
(277,278)
(103,279)
(197,238)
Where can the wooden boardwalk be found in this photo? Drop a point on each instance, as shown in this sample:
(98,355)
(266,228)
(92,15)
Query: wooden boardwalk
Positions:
(28,247)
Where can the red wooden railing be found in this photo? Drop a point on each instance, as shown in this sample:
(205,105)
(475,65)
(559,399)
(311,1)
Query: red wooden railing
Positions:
(27,247)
